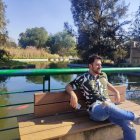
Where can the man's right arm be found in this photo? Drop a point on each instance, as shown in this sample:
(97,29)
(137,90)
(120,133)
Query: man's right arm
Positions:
(73,96)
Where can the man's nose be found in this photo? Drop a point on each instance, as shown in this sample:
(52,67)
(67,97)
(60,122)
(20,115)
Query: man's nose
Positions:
(100,66)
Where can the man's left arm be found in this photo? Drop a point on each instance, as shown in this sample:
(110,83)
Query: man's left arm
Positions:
(114,90)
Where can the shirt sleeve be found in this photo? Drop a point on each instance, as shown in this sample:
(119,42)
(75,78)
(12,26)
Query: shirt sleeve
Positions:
(104,75)
(77,82)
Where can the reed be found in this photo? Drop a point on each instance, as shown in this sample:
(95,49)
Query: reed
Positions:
(29,53)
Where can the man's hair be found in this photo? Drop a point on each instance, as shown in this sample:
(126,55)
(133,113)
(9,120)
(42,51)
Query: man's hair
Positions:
(92,58)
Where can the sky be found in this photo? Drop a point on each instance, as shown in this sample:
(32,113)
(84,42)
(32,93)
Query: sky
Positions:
(50,14)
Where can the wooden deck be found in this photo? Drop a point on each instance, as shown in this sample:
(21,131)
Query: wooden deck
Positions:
(35,128)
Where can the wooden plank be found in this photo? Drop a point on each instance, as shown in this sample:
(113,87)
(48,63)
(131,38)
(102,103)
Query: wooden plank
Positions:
(25,122)
(127,104)
(62,96)
(122,98)
(57,108)
(41,126)
(58,96)
(64,130)
(120,88)
(134,109)
(130,106)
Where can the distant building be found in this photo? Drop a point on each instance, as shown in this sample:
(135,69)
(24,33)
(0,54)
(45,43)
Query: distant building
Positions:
(135,54)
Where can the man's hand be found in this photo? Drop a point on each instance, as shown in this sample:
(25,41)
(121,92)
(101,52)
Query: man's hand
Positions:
(73,100)
(105,103)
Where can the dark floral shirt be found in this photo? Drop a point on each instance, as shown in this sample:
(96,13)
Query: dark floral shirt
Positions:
(92,88)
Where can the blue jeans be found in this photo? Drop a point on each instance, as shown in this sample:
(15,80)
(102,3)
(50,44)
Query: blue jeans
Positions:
(115,115)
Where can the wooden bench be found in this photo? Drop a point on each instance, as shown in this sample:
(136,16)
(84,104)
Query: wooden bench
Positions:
(55,119)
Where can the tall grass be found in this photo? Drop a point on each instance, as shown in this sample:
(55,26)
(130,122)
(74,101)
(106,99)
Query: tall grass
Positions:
(29,53)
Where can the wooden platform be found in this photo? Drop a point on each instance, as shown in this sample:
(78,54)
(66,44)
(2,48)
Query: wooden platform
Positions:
(39,128)
(64,123)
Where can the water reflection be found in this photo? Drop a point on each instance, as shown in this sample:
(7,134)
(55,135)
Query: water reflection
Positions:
(3,79)
(58,65)
(132,81)
(117,78)
(45,65)
(40,65)
(62,78)
(34,79)
(58,78)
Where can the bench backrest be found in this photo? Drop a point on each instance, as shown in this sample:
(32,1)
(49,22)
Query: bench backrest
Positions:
(51,103)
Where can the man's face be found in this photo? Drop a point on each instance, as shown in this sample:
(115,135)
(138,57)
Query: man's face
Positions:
(96,66)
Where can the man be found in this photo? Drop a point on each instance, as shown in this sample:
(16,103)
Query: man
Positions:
(93,85)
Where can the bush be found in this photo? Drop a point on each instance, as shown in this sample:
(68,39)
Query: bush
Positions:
(4,55)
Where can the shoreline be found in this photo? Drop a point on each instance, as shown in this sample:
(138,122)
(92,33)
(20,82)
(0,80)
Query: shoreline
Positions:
(43,60)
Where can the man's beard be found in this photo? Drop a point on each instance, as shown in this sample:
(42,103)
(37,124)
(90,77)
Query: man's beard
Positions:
(98,71)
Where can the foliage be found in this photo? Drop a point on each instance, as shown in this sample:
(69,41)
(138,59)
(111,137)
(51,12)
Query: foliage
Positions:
(100,26)
(11,43)
(62,43)
(69,29)
(11,64)
(4,55)
(35,37)
(3,22)
(119,55)
(3,32)
(135,30)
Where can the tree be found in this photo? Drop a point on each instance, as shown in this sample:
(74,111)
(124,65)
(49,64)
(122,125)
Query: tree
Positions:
(3,22)
(3,32)
(135,30)
(100,26)
(119,55)
(36,37)
(69,29)
(62,43)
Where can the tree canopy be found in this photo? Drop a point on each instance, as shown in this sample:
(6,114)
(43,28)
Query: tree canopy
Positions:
(3,22)
(100,26)
(62,43)
(35,37)
(135,31)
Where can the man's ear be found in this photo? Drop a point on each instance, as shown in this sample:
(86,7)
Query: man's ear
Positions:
(90,66)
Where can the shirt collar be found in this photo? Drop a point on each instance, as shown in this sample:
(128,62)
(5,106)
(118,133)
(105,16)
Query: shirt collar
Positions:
(99,76)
